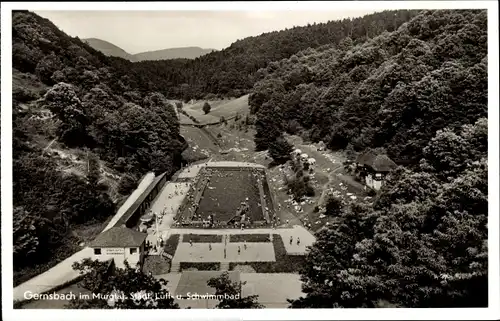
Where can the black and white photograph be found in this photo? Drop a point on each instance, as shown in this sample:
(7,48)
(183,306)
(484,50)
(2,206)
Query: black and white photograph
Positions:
(281,158)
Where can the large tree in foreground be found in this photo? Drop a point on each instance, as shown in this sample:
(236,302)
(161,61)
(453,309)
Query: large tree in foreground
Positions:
(224,286)
(132,288)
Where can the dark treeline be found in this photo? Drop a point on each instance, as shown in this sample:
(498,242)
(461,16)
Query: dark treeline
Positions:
(231,71)
(420,93)
(393,91)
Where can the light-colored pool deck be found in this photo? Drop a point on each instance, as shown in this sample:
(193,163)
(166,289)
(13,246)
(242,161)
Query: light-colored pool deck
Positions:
(200,252)
(168,200)
(273,289)
(297,232)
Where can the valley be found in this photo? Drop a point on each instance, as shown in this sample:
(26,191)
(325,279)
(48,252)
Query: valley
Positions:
(335,165)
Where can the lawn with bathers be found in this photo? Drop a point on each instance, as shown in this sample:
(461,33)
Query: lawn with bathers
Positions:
(226,191)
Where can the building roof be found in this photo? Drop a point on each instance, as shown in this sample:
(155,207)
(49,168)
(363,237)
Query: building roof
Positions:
(133,208)
(119,236)
(380,163)
(196,282)
(233,164)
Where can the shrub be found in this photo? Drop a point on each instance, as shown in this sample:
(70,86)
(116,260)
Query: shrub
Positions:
(23,94)
(206,108)
(333,206)
(127,184)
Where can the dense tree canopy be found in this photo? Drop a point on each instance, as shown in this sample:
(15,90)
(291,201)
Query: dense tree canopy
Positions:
(424,244)
(232,71)
(120,288)
(99,115)
(394,90)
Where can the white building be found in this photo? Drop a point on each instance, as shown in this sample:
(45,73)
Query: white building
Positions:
(120,244)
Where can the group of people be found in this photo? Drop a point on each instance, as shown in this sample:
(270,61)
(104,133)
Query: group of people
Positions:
(306,223)
(155,247)
(291,240)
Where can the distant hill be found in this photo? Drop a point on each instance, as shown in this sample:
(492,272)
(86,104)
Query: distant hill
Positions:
(173,53)
(109,49)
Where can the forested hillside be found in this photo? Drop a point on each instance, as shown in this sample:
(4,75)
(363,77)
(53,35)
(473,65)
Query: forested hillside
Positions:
(231,71)
(393,91)
(421,94)
(81,139)
(86,127)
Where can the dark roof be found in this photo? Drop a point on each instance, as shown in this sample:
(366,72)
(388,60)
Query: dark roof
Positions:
(131,210)
(196,282)
(380,163)
(119,236)
(383,163)
(366,158)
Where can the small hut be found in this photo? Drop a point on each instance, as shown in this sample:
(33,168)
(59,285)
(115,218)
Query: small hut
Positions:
(374,168)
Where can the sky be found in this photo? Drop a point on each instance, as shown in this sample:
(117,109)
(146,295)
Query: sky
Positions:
(139,31)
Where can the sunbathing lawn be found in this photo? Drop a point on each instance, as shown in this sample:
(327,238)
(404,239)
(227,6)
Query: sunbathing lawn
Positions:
(202,238)
(200,266)
(260,238)
(284,263)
